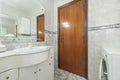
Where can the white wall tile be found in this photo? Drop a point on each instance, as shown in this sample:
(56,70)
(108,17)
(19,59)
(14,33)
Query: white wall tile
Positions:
(103,12)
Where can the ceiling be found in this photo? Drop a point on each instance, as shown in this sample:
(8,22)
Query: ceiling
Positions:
(25,5)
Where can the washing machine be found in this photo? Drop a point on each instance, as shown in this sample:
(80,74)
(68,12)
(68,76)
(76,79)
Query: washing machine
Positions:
(110,64)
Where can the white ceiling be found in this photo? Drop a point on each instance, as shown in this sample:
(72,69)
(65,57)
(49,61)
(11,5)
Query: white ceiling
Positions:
(25,5)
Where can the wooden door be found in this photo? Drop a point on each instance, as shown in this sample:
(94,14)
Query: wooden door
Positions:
(40,28)
(72,38)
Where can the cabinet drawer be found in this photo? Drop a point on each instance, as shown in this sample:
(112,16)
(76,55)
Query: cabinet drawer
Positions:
(9,75)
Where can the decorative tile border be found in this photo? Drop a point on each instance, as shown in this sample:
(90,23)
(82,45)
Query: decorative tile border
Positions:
(50,32)
(104,27)
(26,35)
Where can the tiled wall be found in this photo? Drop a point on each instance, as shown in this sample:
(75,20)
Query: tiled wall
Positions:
(101,37)
(103,12)
(22,41)
(103,31)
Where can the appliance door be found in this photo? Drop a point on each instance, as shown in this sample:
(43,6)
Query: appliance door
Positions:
(115,67)
(103,73)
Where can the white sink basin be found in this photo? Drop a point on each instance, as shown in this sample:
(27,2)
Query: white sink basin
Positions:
(28,50)
(23,57)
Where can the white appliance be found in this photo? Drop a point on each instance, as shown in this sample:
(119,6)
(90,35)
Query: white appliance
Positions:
(110,64)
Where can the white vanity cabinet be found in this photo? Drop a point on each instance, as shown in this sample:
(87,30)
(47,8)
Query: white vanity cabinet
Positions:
(42,71)
(9,75)
(45,72)
(46,69)
(32,66)
(28,73)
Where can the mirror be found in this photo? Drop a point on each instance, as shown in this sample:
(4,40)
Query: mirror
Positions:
(18,18)
(7,25)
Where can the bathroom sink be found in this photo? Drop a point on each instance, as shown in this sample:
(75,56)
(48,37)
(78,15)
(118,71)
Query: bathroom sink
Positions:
(28,50)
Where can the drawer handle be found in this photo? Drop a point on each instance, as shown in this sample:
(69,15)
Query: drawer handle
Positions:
(39,69)
(7,77)
(51,57)
(35,72)
(49,63)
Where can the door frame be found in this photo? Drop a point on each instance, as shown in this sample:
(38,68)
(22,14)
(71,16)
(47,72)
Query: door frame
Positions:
(85,2)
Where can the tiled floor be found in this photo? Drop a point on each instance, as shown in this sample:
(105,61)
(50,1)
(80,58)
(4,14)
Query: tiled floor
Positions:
(64,75)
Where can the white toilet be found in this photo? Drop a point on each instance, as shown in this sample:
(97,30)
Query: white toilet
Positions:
(110,64)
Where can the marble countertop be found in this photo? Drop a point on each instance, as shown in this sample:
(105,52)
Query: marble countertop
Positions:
(24,51)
